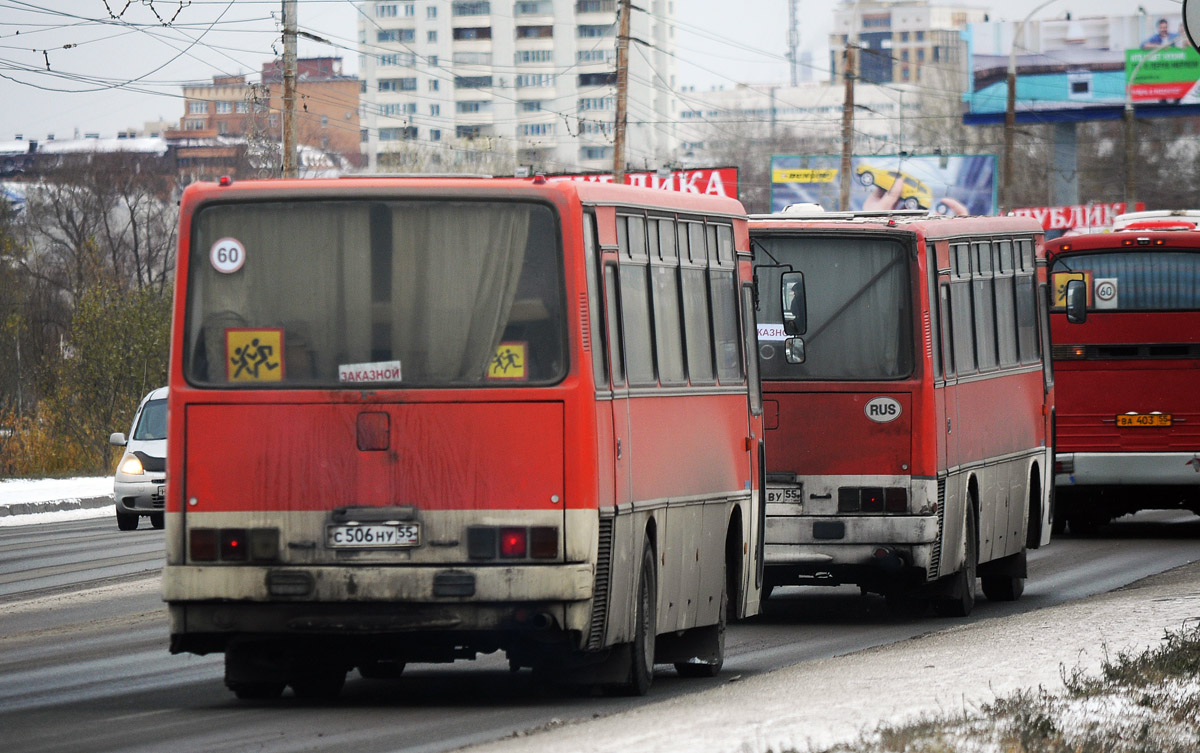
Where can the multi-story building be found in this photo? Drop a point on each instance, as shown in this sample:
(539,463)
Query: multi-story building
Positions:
(533,81)
(903,40)
(887,118)
(327,112)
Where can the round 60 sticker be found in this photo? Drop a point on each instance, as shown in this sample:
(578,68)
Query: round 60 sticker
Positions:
(1106,290)
(227,255)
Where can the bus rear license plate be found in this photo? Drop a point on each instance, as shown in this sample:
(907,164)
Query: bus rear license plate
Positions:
(389,536)
(1144,419)
(790,495)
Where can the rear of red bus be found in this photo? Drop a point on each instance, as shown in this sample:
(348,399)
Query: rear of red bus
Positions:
(1128,419)
(378,452)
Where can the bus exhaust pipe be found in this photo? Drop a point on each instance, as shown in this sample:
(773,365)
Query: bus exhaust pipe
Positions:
(541,621)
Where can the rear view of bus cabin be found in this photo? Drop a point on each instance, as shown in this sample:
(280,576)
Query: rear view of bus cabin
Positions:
(907,403)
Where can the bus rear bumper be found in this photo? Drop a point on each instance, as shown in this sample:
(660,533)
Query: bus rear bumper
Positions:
(1127,468)
(825,544)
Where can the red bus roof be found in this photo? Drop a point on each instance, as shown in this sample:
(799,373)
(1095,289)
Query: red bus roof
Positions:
(589,192)
(926,226)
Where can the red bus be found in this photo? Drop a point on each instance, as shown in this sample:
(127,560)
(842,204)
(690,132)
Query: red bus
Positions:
(1127,354)
(415,420)
(907,403)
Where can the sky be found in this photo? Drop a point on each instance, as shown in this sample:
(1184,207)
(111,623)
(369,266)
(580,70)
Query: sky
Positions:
(102,66)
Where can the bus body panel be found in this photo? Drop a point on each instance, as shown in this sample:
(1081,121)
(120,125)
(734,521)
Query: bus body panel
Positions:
(1138,353)
(978,435)
(608,468)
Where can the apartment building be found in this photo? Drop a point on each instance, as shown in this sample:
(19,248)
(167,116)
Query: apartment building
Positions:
(532,81)
(327,111)
(904,40)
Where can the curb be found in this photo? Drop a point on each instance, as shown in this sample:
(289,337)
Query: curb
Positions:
(26,508)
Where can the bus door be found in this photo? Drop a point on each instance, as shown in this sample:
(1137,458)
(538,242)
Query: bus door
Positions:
(614,336)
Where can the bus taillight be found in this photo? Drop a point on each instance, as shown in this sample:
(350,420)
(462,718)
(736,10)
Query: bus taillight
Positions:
(512,543)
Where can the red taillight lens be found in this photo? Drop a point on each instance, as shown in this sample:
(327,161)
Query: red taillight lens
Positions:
(895,499)
(202,544)
(543,542)
(234,546)
(512,542)
(872,500)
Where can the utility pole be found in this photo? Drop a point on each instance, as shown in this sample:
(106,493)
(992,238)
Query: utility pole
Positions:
(290,167)
(848,76)
(622,94)
(1010,113)
(793,54)
(1131,130)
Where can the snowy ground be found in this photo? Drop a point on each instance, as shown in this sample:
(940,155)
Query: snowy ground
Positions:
(30,501)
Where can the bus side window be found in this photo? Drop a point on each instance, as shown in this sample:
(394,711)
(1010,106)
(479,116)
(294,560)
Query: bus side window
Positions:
(945,325)
(934,314)
(1006,316)
(613,317)
(668,326)
(595,295)
(984,298)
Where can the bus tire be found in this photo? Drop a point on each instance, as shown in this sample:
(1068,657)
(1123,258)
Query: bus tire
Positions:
(1002,587)
(713,667)
(324,685)
(962,598)
(641,665)
(256,691)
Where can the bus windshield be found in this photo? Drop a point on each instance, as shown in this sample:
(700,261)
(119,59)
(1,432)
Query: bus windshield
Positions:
(1132,280)
(859,307)
(402,293)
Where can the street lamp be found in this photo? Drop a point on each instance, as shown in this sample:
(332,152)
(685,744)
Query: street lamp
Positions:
(1010,111)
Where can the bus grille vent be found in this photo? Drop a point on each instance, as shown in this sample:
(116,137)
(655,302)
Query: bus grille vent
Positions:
(585,321)
(600,593)
(935,559)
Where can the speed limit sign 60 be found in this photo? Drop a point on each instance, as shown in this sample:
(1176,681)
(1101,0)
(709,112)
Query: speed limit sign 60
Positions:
(227,255)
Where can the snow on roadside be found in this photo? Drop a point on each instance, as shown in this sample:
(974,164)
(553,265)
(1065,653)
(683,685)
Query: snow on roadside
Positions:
(17,491)
(24,492)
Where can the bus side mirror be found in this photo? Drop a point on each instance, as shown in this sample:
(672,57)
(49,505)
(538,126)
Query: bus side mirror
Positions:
(795,305)
(1076,302)
(793,350)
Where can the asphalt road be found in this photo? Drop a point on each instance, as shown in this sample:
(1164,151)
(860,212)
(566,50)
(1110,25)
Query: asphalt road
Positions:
(84,662)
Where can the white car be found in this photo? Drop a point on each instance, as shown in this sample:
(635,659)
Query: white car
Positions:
(141,476)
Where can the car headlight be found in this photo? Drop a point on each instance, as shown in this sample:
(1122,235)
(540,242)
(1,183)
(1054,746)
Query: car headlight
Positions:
(132,466)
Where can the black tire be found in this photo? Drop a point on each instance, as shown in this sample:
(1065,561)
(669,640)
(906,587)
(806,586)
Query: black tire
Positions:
(257,691)
(1002,587)
(1058,526)
(713,668)
(320,686)
(867,178)
(641,665)
(158,520)
(127,521)
(383,670)
(903,603)
(963,600)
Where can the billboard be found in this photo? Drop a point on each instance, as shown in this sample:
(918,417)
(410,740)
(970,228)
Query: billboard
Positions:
(1067,67)
(709,181)
(1076,218)
(944,184)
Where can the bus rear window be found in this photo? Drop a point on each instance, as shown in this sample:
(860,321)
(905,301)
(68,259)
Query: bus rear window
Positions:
(1131,280)
(374,292)
(860,324)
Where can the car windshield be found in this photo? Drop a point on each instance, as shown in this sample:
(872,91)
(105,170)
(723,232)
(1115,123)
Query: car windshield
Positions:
(859,311)
(1132,280)
(428,293)
(152,424)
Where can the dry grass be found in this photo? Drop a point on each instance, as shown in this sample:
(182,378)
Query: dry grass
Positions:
(1139,703)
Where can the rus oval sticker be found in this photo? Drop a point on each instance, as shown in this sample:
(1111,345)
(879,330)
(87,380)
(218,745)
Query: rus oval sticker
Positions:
(882,409)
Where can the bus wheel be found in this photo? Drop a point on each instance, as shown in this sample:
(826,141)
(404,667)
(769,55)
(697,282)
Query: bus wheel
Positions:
(256,691)
(324,685)
(712,667)
(962,601)
(641,666)
(1002,587)
(127,522)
